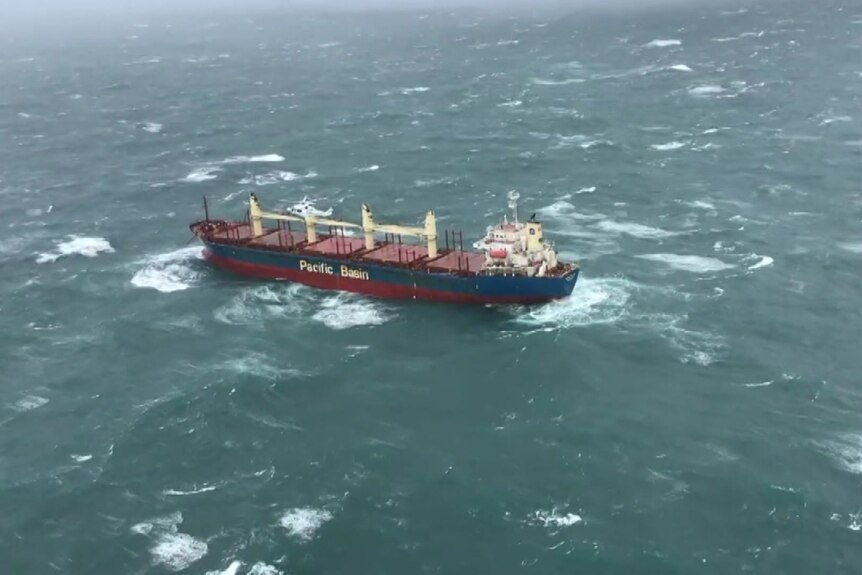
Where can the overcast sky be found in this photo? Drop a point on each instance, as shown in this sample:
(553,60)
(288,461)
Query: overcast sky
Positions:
(157,6)
(67,18)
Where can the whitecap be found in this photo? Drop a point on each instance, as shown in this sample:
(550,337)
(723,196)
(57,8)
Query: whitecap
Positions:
(846,451)
(633,229)
(173,549)
(680,68)
(202,174)
(231,569)
(761,384)
(344,311)
(587,190)
(253,159)
(764,262)
(697,347)
(511,104)
(706,90)
(177,551)
(675,145)
(663,43)
(152,127)
(688,263)
(548,82)
(854,247)
(554,518)
(259,365)
(594,143)
(417,89)
(372,168)
(81,458)
(168,272)
(833,119)
(273,178)
(564,210)
(190,492)
(303,522)
(594,301)
(29,402)
(77,245)
(261,568)
(700,204)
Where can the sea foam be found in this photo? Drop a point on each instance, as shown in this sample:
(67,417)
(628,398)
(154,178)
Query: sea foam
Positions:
(344,311)
(688,263)
(170,548)
(303,522)
(633,229)
(77,245)
(168,272)
(598,301)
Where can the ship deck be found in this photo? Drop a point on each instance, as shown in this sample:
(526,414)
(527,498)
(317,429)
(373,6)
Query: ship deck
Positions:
(349,248)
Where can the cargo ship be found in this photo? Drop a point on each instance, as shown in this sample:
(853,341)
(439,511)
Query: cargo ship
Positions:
(513,263)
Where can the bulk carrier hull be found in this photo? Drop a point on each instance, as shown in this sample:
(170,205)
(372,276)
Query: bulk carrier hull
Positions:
(521,269)
(353,275)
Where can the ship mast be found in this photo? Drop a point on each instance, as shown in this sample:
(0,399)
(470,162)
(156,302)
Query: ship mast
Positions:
(513,204)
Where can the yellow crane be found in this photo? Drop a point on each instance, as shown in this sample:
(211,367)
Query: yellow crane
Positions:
(428,233)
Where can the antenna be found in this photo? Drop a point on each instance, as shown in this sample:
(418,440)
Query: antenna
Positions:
(513,203)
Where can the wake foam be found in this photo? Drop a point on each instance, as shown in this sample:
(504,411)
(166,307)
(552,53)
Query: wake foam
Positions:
(344,311)
(594,301)
(168,272)
(688,263)
(303,522)
(77,245)
(253,305)
(340,311)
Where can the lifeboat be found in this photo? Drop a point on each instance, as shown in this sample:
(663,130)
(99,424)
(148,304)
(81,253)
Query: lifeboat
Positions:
(499,253)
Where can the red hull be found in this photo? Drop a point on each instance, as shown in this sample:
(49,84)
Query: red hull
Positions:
(366,287)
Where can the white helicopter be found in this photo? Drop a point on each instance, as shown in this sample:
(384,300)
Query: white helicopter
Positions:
(305,207)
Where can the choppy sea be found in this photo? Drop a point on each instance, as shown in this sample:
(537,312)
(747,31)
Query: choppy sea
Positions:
(694,407)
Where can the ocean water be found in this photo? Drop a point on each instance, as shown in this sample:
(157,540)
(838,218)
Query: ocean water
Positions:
(692,408)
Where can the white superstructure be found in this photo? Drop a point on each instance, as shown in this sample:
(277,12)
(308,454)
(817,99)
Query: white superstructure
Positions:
(517,248)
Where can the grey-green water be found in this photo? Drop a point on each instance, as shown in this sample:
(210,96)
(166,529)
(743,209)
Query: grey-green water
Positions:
(692,408)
